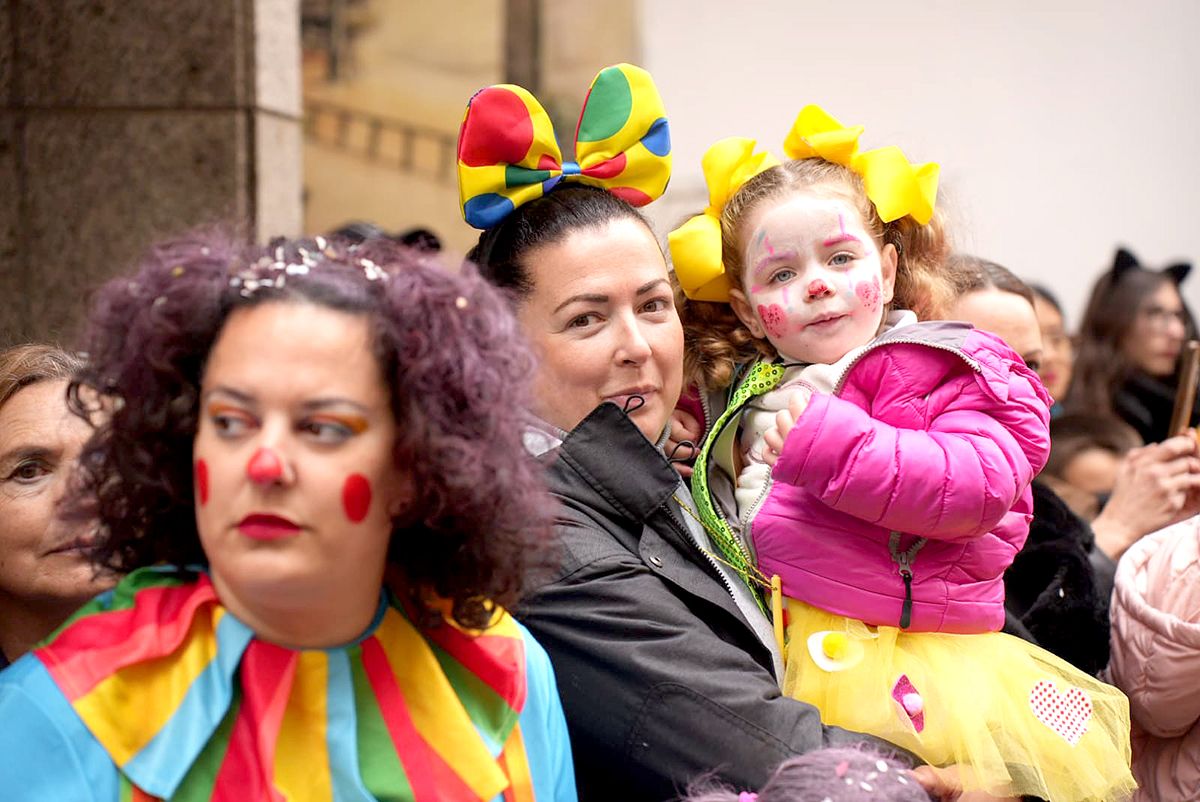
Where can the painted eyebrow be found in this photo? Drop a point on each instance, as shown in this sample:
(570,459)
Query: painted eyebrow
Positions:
(598,298)
(308,406)
(771,258)
(839,238)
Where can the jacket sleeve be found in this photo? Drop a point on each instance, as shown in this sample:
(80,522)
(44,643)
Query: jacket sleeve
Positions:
(653,696)
(1156,631)
(953,479)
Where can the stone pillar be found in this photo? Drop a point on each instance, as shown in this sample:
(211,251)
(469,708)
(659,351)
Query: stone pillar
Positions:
(125,121)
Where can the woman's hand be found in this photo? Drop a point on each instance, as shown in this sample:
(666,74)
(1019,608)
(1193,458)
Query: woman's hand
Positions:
(685,428)
(946,786)
(785,421)
(1157,485)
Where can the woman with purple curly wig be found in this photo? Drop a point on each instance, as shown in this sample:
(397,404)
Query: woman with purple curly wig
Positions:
(310,465)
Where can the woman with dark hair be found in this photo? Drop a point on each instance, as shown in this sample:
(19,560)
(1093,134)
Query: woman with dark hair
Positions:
(45,573)
(1058,354)
(310,471)
(667,667)
(1130,341)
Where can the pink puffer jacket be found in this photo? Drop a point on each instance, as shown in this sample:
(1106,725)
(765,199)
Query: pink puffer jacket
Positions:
(1156,659)
(935,431)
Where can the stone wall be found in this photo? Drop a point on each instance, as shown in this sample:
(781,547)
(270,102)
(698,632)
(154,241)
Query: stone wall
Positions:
(125,121)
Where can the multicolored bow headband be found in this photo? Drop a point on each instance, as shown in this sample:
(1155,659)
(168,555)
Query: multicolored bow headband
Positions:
(508,154)
(696,245)
(894,185)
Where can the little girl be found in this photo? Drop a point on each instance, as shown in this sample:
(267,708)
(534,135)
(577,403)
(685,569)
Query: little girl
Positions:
(877,469)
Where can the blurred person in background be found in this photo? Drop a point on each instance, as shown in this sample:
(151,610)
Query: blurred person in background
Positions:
(1055,595)
(1086,452)
(1057,352)
(1129,345)
(1156,659)
(359,231)
(45,571)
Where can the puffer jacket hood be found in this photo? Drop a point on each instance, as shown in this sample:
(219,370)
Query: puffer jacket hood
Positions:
(1156,659)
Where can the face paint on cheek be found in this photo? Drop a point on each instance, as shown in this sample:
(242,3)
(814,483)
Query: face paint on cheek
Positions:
(869,293)
(356,497)
(773,318)
(202,481)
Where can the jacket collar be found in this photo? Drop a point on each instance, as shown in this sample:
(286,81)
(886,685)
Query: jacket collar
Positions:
(617,462)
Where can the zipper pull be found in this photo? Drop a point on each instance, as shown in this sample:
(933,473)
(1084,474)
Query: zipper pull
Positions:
(905,563)
(906,610)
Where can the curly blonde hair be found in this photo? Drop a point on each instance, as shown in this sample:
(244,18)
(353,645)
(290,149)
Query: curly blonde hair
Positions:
(717,341)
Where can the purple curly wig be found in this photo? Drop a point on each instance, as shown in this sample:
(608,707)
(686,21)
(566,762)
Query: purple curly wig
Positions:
(843,774)
(447,345)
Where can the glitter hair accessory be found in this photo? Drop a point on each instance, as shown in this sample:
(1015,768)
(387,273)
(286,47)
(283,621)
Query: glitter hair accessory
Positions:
(273,270)
(508,153)
(896,186)
(696,245)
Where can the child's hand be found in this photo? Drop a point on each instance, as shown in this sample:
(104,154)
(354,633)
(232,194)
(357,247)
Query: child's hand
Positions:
(684,428)
(785,421)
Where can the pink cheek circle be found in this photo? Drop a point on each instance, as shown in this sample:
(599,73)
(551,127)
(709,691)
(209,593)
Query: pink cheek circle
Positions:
(356,497)
(202,481)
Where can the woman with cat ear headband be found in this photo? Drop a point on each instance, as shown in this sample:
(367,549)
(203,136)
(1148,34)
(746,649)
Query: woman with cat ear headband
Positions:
(1130,341)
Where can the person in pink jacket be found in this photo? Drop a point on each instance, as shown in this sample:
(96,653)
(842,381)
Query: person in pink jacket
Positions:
(1156,659)
(873,471)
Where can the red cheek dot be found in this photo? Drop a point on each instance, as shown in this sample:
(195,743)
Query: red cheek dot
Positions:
(356,497)
(202,481)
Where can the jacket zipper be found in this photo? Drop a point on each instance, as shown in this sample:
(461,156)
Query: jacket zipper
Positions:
(903,560)
(707,409)
(681,527)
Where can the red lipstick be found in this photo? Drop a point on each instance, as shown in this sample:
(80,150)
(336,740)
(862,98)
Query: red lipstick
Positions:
(261,526)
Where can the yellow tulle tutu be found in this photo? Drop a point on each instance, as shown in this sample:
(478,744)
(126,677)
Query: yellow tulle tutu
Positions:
(1015,719)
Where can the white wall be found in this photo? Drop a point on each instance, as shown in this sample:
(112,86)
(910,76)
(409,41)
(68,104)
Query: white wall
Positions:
(1063,127)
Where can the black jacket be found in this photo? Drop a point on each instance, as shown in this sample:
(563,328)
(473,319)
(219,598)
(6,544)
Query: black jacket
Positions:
(661,677)
(1146,404)
(1057,589)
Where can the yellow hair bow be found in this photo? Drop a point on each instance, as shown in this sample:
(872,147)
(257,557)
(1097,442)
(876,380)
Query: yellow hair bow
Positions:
(696,245)
(508,153)
(896,186)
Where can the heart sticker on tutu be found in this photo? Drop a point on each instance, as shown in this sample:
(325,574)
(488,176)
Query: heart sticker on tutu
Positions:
(1065,713)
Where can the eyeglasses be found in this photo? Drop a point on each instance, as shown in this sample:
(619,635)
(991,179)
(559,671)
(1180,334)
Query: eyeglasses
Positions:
(1056,339)
(1161,318)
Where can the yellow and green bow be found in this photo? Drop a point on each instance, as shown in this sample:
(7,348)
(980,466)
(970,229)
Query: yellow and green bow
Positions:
(894,185)
(696,245)
(508,154)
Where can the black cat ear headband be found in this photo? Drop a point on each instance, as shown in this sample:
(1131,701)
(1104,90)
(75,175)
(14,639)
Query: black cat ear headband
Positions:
(1125,261)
